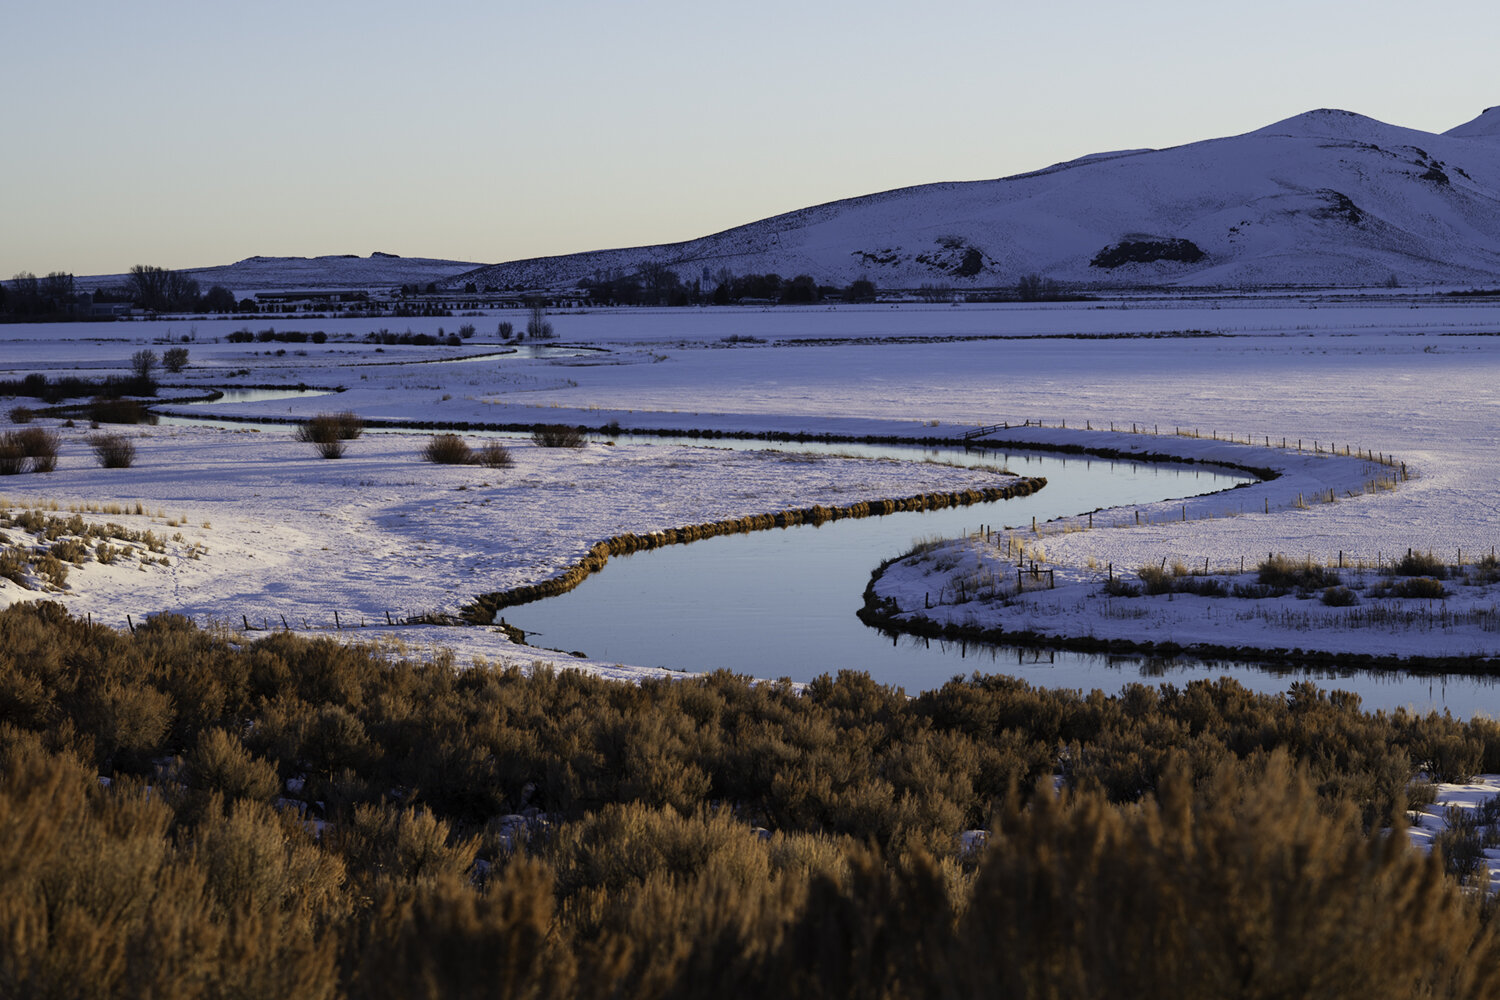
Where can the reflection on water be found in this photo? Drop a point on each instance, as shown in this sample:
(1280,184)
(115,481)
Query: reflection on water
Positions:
(258,396)
(782,603)
(1463,695)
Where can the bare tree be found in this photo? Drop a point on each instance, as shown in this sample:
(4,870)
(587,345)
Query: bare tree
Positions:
(160,290)
(143,363)
(537,327)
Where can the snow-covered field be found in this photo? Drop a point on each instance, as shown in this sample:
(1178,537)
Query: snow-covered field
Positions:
(382,531)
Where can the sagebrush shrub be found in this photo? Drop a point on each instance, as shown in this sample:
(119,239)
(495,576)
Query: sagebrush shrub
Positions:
(114,451)
(350,424)
(327,432)
(40,446)
(1340,597)
(495,455)
(1126,831)
(447,449)
(1288,574)
(1421,587)
(12,457)
(1155,579)
(1421,564)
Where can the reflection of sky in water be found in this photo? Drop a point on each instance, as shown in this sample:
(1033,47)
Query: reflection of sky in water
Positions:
(1463,695)
(781,602)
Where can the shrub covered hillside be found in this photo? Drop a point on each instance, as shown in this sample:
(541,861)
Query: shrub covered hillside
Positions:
(183,814)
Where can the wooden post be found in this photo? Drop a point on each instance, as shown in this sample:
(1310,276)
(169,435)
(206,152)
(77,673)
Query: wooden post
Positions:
(336,623)
(284,626)
(246,621)
(131,623)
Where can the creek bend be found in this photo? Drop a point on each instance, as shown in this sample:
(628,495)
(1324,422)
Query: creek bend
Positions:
(782,602)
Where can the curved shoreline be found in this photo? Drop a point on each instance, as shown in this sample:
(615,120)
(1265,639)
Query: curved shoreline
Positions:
(1264,473)
(482,610)
(881,613)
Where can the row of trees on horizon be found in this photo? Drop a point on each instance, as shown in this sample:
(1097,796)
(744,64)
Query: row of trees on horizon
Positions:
(28,298)
(154,289)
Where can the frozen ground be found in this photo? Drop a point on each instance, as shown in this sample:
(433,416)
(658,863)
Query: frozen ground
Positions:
(1417,381)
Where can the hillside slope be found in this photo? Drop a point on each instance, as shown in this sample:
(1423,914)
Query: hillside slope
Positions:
(264,274)
(1326,197)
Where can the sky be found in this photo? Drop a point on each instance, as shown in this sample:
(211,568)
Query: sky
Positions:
(191,134)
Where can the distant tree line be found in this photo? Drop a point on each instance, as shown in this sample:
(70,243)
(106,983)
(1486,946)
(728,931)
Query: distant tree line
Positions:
(27,298)
(659,285)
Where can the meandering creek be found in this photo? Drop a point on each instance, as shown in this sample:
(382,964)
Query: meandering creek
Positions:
(781,603)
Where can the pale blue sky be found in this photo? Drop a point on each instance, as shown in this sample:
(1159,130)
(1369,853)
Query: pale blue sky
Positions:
(187,134)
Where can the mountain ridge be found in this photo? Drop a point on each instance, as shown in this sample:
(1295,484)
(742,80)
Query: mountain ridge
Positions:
(1326,197)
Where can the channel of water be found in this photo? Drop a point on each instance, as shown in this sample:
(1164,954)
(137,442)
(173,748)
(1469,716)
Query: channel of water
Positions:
(782,603)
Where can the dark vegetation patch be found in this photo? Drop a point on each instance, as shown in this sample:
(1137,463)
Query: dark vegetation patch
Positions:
(558,436)
(447,449)
(119,411)
(267,336)
(954,256)
(1147,252)
(329,433)
(114,451)
(555,835)
(881,257)
(33,449)
(54,390)
(1339,206)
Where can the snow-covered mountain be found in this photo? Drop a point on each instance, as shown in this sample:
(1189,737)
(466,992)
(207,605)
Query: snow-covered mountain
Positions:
(265,274)
(1326,197)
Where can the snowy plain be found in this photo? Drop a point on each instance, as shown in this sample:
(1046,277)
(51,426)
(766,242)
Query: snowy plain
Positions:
(1415,378)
